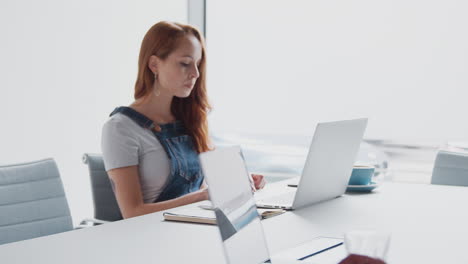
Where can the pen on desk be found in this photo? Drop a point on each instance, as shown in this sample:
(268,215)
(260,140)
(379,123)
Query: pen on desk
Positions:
(252,183)
(321,251)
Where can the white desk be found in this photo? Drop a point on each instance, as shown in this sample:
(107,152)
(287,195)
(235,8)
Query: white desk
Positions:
(429,224)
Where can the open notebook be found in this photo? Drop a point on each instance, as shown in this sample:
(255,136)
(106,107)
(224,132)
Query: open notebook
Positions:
(204,214)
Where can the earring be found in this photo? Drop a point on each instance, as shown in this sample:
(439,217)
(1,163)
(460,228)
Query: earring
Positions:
(156,90)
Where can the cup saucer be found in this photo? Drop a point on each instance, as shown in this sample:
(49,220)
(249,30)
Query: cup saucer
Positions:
(362,188)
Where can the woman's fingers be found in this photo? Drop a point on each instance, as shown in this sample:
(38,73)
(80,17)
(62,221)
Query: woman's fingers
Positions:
(259,181)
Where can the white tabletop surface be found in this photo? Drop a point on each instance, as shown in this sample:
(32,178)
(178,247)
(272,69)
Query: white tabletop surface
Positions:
(428,223)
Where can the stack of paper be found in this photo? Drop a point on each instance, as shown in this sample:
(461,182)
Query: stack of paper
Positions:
(207,216)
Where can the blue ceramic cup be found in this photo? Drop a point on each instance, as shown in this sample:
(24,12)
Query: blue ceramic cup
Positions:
(362,175)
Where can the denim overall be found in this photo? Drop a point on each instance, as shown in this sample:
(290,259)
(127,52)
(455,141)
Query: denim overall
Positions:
(186,175)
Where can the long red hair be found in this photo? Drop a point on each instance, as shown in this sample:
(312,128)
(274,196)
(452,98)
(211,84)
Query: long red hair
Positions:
(160,40)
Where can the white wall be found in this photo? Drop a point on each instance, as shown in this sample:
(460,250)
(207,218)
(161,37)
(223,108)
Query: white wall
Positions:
(64,66)
(284,65)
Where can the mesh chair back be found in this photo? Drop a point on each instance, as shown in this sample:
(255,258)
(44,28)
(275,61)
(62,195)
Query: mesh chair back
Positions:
(105,204)
(32,201)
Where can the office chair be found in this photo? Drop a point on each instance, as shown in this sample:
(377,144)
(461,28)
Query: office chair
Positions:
(450,168)
(106,208)
(32,201)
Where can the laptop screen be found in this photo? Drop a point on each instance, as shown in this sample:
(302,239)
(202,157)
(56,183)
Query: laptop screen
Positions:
(236,214)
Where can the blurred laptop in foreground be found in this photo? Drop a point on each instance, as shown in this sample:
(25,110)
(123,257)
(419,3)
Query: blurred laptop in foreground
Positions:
(241,232)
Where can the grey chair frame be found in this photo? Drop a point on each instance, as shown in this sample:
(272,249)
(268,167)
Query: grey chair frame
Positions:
(106,208)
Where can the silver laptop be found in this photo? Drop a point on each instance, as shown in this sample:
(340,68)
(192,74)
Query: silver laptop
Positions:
(327,168)
(239,225)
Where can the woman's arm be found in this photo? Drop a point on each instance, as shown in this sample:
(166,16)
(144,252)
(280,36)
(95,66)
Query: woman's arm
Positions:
(127,191)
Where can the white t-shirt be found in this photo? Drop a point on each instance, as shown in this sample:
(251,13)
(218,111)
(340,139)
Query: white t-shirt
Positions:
(125,143)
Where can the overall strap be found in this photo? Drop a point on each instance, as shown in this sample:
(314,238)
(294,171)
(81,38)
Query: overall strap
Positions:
(139,118)
(145,122)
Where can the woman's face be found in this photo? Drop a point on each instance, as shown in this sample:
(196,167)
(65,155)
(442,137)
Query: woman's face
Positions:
(178,73)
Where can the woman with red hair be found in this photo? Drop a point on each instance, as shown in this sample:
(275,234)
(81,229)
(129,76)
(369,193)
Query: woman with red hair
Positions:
(150,148)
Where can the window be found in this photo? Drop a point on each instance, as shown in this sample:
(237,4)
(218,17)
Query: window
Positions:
(278,67)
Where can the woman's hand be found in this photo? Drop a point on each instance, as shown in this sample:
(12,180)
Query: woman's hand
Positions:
(258,181)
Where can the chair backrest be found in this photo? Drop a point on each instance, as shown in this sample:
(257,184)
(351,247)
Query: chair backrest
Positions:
(32,201)
(105,204)
(450,168)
